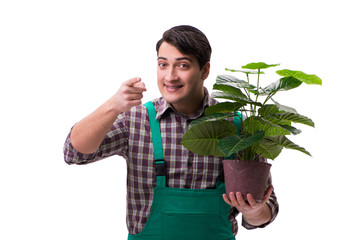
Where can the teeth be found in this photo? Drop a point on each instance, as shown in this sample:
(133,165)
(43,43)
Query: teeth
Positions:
(174,87)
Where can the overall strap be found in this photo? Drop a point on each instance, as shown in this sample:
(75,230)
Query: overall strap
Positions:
(237,122)
(160,168)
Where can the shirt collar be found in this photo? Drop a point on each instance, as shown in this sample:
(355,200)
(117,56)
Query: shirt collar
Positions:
(163,106)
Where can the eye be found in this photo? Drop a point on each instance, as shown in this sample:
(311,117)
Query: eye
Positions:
(183,66)
(162,65)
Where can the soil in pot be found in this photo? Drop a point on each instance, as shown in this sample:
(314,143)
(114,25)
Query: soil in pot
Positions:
(246,177)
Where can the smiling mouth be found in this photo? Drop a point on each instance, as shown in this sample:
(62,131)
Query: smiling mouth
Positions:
(173,88)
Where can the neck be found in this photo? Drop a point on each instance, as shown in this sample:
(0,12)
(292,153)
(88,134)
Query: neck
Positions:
(190,108)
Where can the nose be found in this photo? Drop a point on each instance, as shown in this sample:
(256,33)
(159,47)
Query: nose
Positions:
(171,75)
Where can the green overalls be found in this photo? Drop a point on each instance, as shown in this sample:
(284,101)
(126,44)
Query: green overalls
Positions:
(183,214)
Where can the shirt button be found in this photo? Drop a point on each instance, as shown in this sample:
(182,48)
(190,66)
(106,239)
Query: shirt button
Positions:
(189,164)
(187,186)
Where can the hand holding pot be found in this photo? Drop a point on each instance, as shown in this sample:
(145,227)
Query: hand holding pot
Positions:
(255,213)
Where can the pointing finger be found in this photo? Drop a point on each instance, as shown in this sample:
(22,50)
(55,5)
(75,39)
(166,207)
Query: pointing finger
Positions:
(132,81)
(140,85)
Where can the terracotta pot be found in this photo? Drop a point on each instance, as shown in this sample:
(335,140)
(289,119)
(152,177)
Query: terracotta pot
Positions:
(246,177)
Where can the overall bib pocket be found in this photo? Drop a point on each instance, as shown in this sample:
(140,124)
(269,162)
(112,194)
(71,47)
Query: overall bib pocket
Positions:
(191,203)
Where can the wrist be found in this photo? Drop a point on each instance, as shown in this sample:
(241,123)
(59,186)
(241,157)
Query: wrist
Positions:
(260,217)
(113,107)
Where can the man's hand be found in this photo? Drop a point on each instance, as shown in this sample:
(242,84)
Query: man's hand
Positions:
(255,213)
(129,95)
(87,135)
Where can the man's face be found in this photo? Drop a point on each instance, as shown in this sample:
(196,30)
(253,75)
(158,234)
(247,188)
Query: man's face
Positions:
(180,79)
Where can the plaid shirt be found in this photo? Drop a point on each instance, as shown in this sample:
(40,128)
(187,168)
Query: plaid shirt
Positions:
(130,138)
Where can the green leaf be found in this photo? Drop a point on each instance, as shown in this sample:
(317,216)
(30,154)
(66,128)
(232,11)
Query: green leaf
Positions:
(226,95)
(212,117)
(301,76)
(230,89)
(246,72)
(259,65)
(281,123)
(268,109)
(282,84)
(268,149)
(285,142)
(272,114)
(237,143)
(223,107)
(203,138)
(254,123)
(233,97)
(292,130)
(233,82)
(293,117)
(284,108)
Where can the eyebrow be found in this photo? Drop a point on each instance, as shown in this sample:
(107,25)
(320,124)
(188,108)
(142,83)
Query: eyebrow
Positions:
(177,59)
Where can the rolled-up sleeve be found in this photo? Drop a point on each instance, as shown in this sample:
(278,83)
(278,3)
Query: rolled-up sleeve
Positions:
(114,143)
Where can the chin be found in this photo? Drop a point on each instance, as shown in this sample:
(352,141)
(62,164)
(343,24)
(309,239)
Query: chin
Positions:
(171,97)
(171,100)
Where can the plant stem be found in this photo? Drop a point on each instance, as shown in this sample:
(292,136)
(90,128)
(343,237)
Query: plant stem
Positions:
(248,95)
(248,154)
(257,89)
(268,98)
(244,110)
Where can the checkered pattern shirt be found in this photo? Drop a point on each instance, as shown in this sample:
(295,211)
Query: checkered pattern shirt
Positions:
(130,138)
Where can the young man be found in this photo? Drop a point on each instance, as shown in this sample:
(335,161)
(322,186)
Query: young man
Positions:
(171,193)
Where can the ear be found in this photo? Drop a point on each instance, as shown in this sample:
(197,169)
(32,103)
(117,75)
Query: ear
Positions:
(205,71)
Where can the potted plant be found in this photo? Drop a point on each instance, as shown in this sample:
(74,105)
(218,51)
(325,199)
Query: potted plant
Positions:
(264,126)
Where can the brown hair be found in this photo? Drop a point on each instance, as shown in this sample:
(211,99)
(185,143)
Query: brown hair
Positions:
(188,40)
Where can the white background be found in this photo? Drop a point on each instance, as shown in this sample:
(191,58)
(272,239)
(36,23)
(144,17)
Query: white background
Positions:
(59,60)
